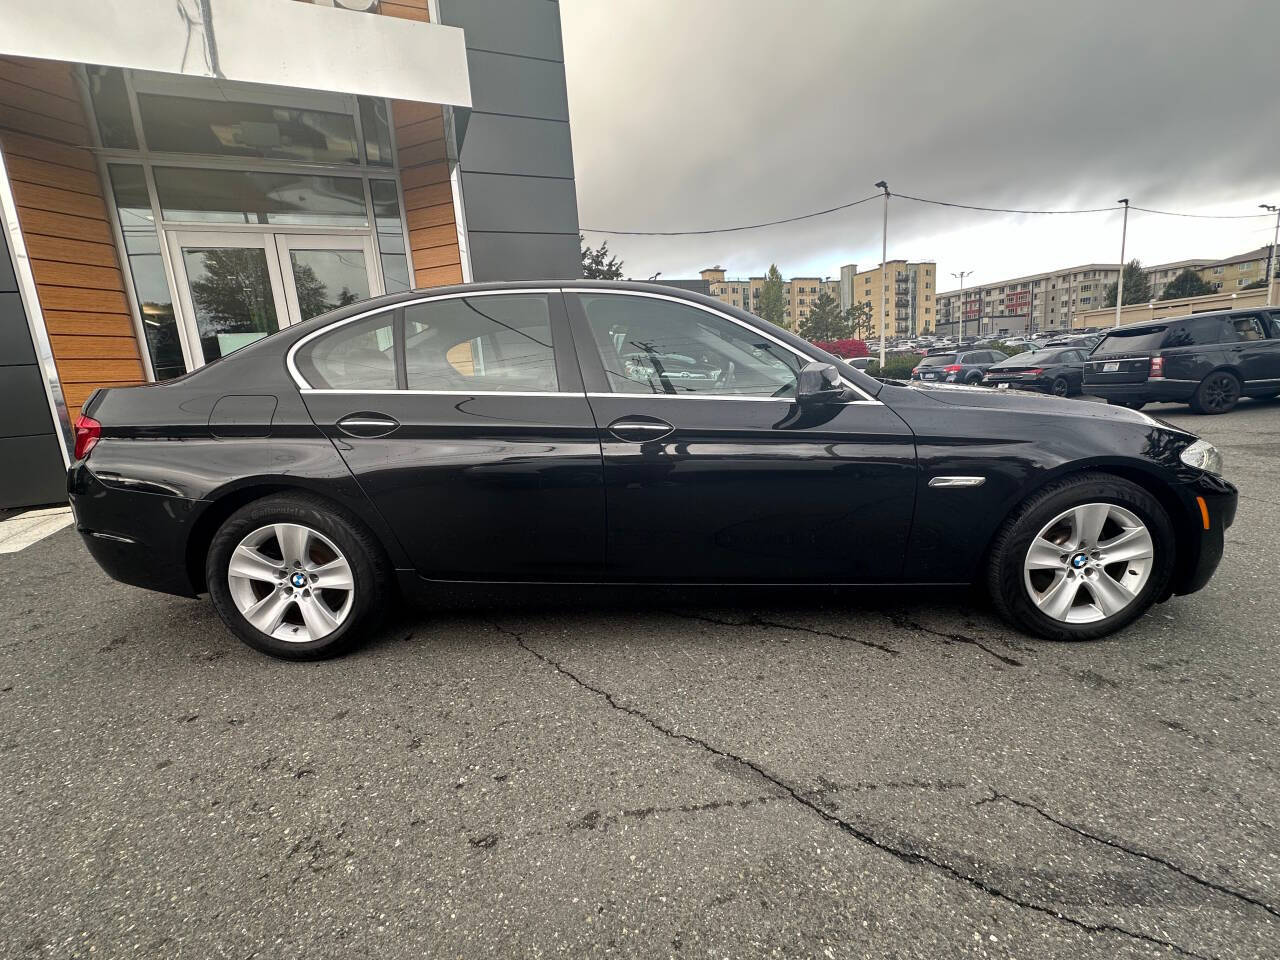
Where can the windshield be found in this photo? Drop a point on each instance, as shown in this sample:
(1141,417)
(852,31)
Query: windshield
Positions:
(938,360)
(1143,340)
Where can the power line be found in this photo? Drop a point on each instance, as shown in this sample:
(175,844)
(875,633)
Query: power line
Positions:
(969,206)
(750,226)
(1204,216)
(936,203)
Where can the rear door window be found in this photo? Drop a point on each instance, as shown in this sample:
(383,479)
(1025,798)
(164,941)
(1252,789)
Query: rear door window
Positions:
(1245,328)
(498,343)
(1198,332)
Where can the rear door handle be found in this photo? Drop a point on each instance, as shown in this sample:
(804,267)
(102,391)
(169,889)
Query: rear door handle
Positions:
(639,429)
(368,424)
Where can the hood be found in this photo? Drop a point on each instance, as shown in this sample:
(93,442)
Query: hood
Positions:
(1023,401)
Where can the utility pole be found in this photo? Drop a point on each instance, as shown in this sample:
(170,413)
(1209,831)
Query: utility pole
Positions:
(884,275)
(1124,231)
(961,275)
(1271,257)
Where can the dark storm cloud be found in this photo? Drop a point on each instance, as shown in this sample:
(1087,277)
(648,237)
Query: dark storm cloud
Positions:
(701,114)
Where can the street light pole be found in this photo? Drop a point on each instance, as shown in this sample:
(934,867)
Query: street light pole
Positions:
(1124,231)
(1271,257)
(962,274)
(884,259)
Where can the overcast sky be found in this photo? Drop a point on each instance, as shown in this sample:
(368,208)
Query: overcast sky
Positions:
(692,114)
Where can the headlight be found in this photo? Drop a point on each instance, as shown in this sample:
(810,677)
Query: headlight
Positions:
(1203,456)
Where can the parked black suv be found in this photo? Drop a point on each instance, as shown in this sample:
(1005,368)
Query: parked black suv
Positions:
(1209,360)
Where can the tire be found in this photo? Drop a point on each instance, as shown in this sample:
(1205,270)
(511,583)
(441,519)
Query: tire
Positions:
(973,381)
(310,622)
(1219,392)
(1026,597)
(1060,387)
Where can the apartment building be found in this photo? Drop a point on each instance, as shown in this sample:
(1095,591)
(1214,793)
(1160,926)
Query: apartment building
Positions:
(1235,273)
(1162,274)
(909,292)
(799,293)
(1044,301)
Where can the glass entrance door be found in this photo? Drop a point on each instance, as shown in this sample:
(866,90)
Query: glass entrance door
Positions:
(323,273)
(235,288)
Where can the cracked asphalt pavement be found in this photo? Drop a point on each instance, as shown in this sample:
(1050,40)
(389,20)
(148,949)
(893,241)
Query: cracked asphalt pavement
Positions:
(649,773)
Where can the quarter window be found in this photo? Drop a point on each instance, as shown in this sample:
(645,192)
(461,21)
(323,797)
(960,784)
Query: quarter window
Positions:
(358,356)
(493,343)
(651,346)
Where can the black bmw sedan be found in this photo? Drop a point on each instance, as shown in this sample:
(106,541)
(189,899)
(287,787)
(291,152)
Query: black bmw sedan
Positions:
(592,432)
(1058,370)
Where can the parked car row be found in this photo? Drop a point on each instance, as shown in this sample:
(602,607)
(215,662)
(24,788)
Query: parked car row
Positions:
(1209,361)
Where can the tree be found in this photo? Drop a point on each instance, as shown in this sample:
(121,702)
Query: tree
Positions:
(1137,288)
(773,301)
(1186,284)
(598,264)
(825,321)
(858,318)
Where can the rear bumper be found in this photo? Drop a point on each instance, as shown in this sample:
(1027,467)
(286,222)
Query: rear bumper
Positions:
(136,537)
(1202,550)
(1148,391)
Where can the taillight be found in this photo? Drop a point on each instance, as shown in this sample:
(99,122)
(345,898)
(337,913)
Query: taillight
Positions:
(87,432)
(1036,370)
(954,368)
(1157,368)
(914,371)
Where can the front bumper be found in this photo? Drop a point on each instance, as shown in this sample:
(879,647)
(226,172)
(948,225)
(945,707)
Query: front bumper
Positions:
(138,538)
(1201,548)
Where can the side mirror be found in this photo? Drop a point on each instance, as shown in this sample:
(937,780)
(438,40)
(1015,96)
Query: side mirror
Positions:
(818,383)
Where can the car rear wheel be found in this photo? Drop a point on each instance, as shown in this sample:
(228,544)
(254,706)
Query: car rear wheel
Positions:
(1217,393)
(296,577)
(1060,387)
(1081,558)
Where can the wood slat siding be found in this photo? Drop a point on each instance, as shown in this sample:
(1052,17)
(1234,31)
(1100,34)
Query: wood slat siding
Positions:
(424,175)
(62,210)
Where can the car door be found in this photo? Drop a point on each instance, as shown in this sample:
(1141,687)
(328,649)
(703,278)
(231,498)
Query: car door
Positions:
(1257,352)
(464,419)
(713,473)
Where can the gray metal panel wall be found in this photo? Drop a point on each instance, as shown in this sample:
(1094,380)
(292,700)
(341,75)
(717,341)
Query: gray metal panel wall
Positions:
(516,154)
(32,471)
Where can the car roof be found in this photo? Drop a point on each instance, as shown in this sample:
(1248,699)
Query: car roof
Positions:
(1166,321)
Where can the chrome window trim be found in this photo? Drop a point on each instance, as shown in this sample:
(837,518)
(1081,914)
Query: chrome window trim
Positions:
(311,391)
(732,319)
(301,382)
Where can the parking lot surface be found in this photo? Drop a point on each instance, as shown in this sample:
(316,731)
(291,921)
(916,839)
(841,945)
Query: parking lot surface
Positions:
(727,774)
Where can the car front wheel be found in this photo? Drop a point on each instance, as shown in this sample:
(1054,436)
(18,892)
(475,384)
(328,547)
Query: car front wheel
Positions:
(296,577)
(1081,558)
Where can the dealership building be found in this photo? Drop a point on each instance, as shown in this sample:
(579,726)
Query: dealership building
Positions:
(181,177)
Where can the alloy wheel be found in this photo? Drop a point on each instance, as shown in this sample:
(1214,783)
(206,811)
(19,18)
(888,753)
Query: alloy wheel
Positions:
(1221,391)
(291,582)
(1088,563)
(1060,387)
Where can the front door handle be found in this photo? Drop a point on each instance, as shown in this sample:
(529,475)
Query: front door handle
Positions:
(367,424)
(639,429)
